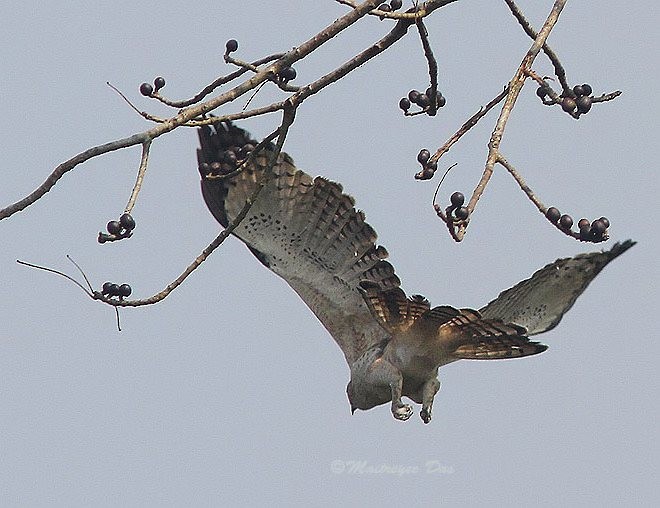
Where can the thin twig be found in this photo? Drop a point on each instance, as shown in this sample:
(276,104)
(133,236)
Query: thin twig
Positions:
(140,176)
(433,66)
(471,122)
(89,285)
(559,68)
(52,270)
(222,80)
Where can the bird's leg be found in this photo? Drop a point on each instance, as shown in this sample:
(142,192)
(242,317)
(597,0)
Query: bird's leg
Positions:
(400,411)
(389,373)
(429,390)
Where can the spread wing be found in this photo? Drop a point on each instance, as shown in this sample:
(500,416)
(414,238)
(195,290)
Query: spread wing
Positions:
(302,228)
(539,303)
(445,333)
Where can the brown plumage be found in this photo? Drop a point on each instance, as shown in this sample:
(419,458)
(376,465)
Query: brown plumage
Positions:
(308,232)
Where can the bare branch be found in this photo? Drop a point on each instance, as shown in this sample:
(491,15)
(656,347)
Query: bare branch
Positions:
(140,176)
(514,88)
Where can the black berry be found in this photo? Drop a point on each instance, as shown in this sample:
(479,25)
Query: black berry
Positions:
(605,221)
(583,223)
(440,100)
(231,46)
(146,89)
(566,221)
(413,95)
(586,89)
(159,83)
(124,290)
(113,227)
(598,227)
(423,156)
(106,288)
(583,104)
(553,214)
(384,8)
(113,289)
(423,101)
(541,92)
(396,4)
(127,222)
(461,213)
(288,74)
(457,199)
(578,90)
(404,104)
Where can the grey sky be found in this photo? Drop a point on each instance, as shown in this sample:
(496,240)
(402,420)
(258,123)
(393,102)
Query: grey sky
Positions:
(230,391)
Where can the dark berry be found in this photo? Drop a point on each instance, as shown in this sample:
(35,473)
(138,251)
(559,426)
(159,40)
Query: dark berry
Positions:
(585,233)
(127,221)
(113,289)
(541,92)
(159,83)
(413,95)
(440,100)
(146,89)
(404,104)
(396,4)
(432,166)
(384,8)
(423,156)
(583,223)
(457,199)
(114,227)
(568,104)
(553,214)
(423,101)
(461,213)
(231,46)
(583,104)
(124,290)
(586,89)
(605,221)
(578,90)
(288,74)
(566,221)
(106,288)
(598,227)
(230,156)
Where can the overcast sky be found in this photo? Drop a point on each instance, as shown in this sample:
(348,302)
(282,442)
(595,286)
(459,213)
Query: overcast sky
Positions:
(230,391)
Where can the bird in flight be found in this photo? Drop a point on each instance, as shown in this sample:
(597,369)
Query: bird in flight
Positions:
(308,232)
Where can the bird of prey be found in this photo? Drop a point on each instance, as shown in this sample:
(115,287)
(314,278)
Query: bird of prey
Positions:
(308,232)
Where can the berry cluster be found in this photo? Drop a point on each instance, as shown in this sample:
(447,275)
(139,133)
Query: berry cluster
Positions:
(118,229)
(148,90)
(575,102)
(460,212)
(428,167)
(423,100)
(595,231)
(394,5)
(111,289)
(225,160)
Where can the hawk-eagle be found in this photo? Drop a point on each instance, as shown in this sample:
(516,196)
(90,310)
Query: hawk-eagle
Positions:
(308,232)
